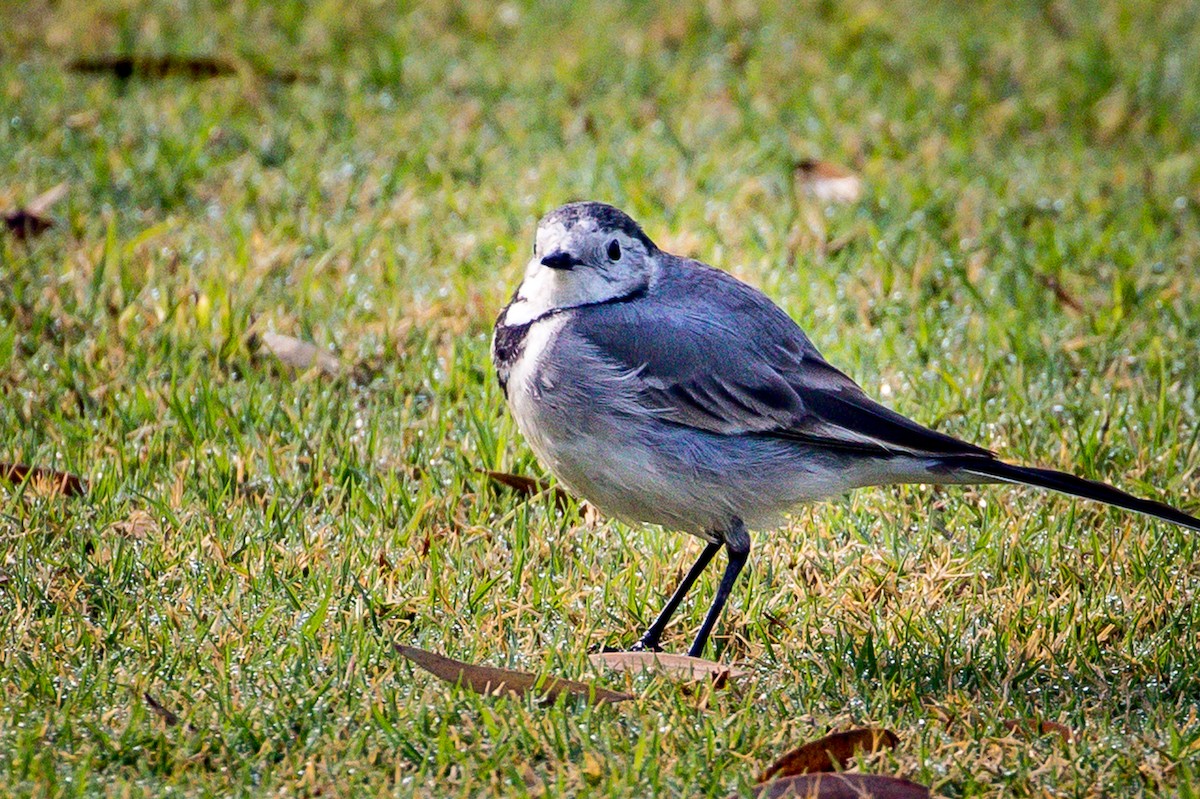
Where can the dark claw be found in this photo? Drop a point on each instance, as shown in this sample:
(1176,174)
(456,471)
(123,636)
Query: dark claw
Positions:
(645,646)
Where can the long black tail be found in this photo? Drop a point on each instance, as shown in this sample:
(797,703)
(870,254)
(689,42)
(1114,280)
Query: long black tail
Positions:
(1066,484)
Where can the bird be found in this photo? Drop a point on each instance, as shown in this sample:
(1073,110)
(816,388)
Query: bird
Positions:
(666,391)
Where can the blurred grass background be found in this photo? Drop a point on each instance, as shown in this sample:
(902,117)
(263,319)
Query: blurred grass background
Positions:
(1022,272)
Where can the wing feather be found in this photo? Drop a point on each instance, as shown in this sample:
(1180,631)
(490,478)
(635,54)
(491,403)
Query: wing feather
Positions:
(710,352)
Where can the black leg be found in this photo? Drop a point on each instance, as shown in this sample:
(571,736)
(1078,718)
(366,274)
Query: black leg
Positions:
(737,542)
(649,641)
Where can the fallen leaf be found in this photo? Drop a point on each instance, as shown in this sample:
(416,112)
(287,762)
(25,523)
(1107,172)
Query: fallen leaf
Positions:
(126,66)
(1043,728)
(527,486)
(302,355)
(170,718)
(54,481)
(490,680)
(827,182)
(829,752)
(25,225)
(161,66)
(679,666)
(30,221)
(840,786)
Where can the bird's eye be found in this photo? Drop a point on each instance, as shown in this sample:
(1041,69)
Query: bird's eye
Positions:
(614,250)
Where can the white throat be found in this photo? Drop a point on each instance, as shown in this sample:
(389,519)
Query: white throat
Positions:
(536,297)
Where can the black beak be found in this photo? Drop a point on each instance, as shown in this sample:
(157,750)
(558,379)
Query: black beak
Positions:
(561,260)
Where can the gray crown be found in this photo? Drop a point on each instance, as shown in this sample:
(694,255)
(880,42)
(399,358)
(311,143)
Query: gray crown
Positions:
(605,216)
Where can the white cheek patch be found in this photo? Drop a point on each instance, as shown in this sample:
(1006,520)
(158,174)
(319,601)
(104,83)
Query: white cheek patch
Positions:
(536,296)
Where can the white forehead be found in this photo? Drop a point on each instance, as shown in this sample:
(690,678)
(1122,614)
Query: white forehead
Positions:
(552,234)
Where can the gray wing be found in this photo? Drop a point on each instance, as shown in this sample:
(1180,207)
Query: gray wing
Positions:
(710,352)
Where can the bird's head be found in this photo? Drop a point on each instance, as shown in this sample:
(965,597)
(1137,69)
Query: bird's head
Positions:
(584,253)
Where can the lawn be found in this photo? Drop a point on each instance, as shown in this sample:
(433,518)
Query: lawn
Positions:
(216,613)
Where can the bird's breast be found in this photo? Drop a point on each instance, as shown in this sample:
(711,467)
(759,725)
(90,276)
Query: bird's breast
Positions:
(508,345)
(519,353)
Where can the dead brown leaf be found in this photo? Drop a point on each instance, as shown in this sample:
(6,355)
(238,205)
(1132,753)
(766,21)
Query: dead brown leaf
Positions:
(25,225)
(164,713)
(491,680)
(1040,727)
(840,786)
(124,67)
(169,717)
(829,752)
(678,666)
(50,480)
(526,486)
(827,182)
(302,355)
(32,220)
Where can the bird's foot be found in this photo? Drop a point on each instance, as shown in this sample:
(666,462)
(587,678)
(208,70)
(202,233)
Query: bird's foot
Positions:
(646,646)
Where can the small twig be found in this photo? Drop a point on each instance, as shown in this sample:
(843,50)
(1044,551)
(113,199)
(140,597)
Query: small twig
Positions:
(1060,293)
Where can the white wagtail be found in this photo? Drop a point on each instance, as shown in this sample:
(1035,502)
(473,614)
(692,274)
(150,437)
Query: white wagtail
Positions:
(666,391)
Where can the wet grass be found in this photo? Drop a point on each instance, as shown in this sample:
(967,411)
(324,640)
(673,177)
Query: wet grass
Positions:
(1022,272)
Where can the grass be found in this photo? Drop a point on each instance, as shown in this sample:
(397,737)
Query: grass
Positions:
(254,540)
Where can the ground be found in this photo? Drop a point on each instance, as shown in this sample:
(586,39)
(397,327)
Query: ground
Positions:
(1021,271)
